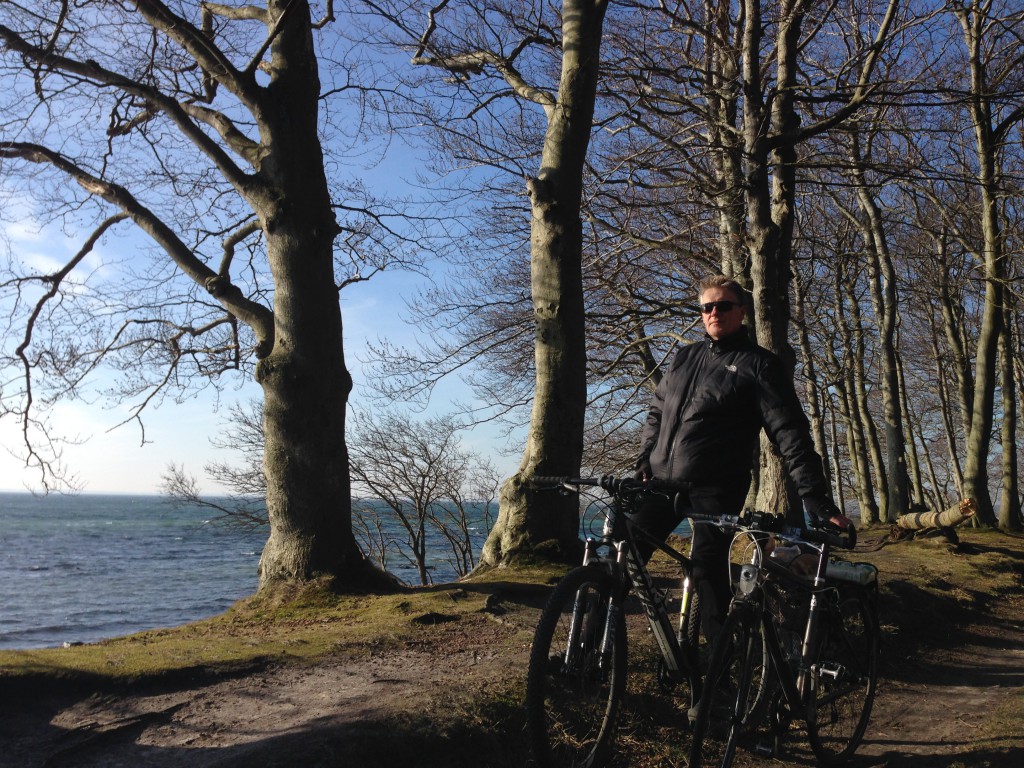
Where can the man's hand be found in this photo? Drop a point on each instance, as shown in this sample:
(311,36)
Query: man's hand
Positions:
(643,471)
(825,509)
(842,521)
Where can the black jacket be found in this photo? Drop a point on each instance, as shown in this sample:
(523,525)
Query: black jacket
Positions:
(708,411)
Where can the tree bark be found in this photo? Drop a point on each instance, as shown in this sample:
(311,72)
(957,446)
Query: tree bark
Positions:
(948,518)
(304,378)
(544,522)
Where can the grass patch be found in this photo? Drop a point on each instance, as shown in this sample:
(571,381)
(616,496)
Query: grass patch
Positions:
(311,624)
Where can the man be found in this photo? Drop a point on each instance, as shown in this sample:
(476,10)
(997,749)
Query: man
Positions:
(703,428)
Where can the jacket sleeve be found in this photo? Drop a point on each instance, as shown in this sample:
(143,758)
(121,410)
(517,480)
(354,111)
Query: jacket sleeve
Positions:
(786,426)
(652,426)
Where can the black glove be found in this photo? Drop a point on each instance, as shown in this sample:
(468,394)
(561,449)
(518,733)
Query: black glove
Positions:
(821,508)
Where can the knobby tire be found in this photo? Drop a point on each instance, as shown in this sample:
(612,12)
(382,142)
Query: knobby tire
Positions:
(734,689)
(573,694)
(843,680)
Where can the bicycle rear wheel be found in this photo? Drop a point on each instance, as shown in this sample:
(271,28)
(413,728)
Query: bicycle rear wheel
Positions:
(734,688)
(577,674)
(843,681)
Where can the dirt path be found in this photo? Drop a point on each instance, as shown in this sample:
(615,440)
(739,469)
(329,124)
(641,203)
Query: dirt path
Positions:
(263,718)
(292,715)
(955,705)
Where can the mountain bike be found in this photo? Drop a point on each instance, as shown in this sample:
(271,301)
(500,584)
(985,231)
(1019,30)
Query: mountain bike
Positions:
(819,626)
(577,672)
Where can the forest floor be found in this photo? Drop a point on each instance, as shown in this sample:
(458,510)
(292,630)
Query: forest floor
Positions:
(435,677)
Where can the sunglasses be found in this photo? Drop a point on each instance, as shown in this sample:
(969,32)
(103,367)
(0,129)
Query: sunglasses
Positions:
(721,306)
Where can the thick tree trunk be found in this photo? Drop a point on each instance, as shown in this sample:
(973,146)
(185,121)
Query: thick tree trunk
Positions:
(545,522)
(768,277)
(304,378)
(722,76)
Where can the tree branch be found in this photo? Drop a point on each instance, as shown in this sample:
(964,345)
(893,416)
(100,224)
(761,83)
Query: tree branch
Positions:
(93,72)
(206,53)
(255,315)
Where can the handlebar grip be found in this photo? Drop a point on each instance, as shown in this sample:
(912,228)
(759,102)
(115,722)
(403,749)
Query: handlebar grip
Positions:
(550,479)
(657,484)
(847,541)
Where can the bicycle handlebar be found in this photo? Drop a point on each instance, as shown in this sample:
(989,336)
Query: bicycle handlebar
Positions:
(846,540)
(612,483)
(823,532)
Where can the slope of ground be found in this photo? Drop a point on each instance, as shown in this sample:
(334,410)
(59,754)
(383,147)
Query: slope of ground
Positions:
(435,677)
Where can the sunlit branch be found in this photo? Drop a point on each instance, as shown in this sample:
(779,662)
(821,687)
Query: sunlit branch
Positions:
(93,72)
(206,53)
(233,240)
(54,281)
(255,315)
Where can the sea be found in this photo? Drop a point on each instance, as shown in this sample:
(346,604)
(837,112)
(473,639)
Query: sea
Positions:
(77,569)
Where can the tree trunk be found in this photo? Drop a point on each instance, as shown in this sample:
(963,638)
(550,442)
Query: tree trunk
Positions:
(946,519)
(304,378)
(979,436)
(547,522)
(722,92)
(837,470)
(870,444)
(947,415)
(812,396)
(1009,512)
(846,386)
(896,492)
(913,459)
(768,276)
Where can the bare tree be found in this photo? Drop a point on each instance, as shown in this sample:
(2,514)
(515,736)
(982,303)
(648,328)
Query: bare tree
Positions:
(242,476)
(417,476)
(989,67)
(523,79)
(201,125)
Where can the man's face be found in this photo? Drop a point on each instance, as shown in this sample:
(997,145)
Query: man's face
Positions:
(720,323)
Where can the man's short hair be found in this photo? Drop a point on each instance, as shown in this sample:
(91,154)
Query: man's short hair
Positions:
(721,281)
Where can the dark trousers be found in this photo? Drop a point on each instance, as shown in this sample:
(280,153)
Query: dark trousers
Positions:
(709,549)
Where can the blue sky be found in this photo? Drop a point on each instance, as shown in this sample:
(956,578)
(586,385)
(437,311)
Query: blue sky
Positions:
(112,459)
(116,462)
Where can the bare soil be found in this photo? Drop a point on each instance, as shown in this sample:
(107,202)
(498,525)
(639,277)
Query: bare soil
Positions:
(448,692)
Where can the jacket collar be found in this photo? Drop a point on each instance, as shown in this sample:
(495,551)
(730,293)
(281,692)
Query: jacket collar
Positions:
(739,339)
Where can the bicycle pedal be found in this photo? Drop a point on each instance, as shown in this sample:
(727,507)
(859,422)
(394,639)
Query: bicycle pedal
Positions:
(829,669)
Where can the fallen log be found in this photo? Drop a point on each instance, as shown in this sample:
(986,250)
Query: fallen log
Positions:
(948,518)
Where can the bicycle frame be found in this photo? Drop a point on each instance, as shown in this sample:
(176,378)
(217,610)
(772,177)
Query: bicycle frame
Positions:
(621,538)
(796,682)
(794,674)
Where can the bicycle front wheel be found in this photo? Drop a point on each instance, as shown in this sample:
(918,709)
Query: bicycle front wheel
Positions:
(734,688)
(577,674)
(843,681)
